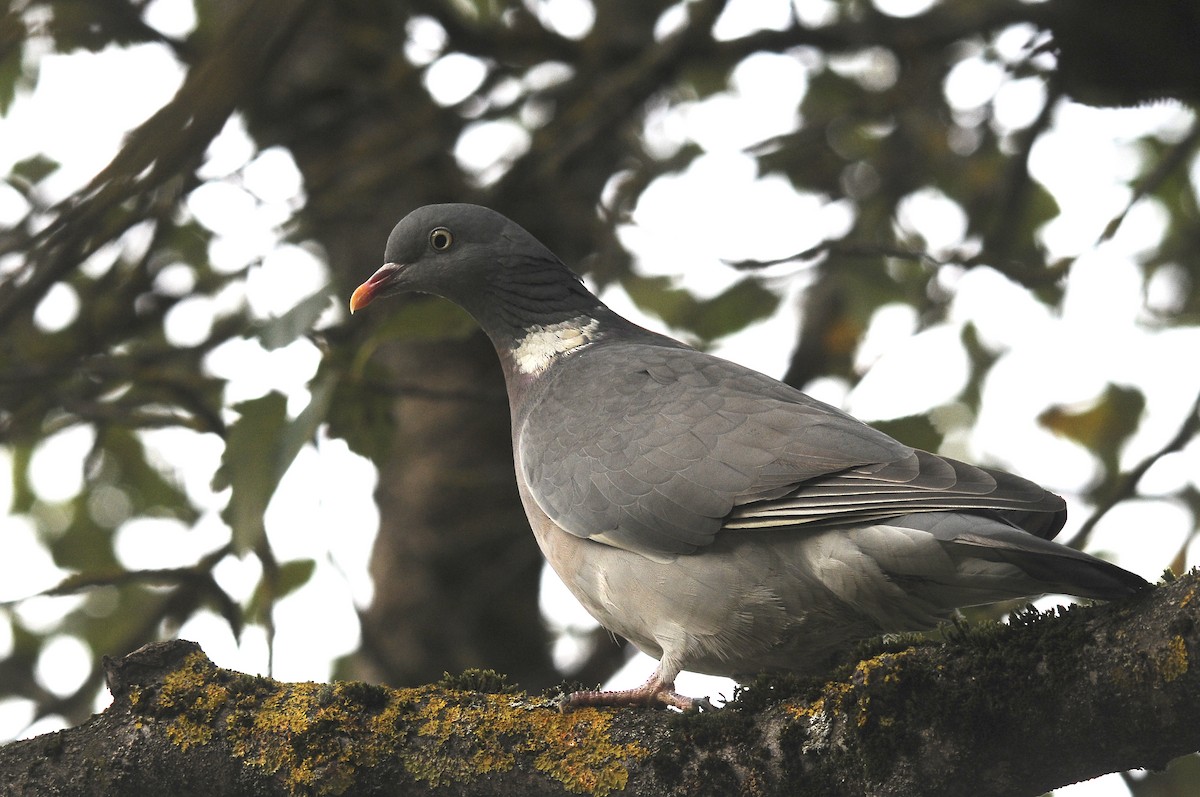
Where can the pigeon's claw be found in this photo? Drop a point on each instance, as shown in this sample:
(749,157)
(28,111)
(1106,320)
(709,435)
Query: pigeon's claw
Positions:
(655,693)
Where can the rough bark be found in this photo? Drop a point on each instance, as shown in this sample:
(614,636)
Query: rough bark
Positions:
(1004,710)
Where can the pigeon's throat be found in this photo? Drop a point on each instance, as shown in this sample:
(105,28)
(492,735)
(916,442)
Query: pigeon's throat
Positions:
(542,344)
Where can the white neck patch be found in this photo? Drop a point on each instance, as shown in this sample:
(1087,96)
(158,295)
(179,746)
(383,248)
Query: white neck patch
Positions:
(543,343)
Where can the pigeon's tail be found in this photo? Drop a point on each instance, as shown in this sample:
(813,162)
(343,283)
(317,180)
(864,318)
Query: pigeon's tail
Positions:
(1057,568)
(994,561)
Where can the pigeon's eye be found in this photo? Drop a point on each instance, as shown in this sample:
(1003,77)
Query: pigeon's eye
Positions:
(440,239)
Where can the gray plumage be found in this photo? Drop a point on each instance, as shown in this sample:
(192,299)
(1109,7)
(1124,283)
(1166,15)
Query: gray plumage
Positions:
(721,520)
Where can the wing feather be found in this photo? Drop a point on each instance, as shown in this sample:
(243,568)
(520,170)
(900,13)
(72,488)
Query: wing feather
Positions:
(658,448)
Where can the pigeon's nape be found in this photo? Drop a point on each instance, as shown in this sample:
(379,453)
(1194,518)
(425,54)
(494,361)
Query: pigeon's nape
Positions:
(721,520)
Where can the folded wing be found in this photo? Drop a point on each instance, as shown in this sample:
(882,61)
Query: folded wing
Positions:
(659,448)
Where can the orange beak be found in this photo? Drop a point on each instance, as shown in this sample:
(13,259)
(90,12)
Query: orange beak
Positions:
(364,294)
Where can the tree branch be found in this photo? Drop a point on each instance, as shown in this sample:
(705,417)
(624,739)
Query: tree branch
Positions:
(1012,709)
(1126,485)
(147,176)
(1176,158)
(1028,275)
(941,25)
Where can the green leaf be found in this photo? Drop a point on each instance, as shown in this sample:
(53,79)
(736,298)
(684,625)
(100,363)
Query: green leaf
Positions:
(302,430)
(705,77)
(250,466)
(188,241)
(34,169)
(275,333)
(913,430)
(1040,207)
(1103,426)
(741,304)
(655,295)
(290,577)
(83,544)
(261,446)
(293,575)
(148,491)
(121,484)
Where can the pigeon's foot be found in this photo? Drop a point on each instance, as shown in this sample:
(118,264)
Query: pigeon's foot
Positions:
(652,694)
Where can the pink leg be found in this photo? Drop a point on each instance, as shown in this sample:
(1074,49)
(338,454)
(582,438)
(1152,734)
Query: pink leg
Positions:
(655,693)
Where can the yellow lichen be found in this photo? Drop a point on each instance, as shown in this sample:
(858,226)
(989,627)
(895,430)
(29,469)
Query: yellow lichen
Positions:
(799,710)
(886,663)
(573,748)
(849,696)
(315,737)
(197,702)
(265,741)
(1173,662)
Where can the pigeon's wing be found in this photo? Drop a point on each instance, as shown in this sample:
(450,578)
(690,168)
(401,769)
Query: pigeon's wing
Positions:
(657,449)
(920,482)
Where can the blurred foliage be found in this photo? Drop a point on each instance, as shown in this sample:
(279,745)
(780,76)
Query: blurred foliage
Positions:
(1103,426)
(741,304)
(342,87)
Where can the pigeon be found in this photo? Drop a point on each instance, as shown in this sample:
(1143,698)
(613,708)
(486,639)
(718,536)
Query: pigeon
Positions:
(722,521)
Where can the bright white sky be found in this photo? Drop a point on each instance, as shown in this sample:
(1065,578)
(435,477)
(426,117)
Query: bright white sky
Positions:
(684,225)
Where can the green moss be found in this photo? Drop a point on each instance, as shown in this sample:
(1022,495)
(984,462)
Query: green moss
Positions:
(892,643)
(315,737)
(767,689)
(369,696)
(486,681)
(866,701)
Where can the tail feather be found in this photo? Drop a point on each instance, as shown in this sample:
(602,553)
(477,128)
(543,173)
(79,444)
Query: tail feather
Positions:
(1059,568)
(1044,566)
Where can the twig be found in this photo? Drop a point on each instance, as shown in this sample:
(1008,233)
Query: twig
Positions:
(1174,159)
(1029,277)
(1126,486)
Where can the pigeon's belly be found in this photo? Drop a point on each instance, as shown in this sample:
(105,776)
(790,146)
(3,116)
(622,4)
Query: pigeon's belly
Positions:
(727,612)
(753,601)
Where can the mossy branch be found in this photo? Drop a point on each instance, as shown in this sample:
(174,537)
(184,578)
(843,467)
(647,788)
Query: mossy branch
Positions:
(1048,699)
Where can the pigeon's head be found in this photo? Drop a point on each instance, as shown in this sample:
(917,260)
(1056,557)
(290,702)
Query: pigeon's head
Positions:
(477,259)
